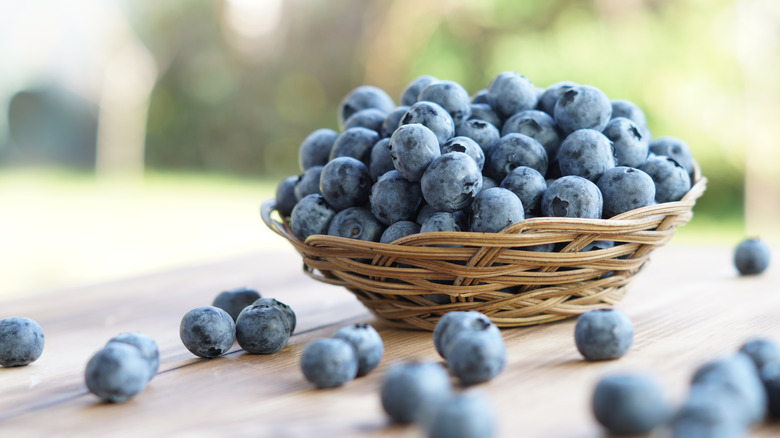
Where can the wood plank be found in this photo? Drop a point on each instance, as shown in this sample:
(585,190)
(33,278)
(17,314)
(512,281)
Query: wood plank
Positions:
(688,306)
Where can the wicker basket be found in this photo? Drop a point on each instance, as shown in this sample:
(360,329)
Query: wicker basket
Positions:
(412,282)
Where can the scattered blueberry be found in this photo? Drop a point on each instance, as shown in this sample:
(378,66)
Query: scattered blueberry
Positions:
(708,412)
(411,391)
(738,376)
(752,256)
(770,376)
(207,331)
(21,341)
(476,356)
(235,300)
(148,347)
(117,372)
(284,308)
(452,324)
(329,362)
(630,404)
(603,334)
(761,351)
(367,342)
(262,329)
(466,415)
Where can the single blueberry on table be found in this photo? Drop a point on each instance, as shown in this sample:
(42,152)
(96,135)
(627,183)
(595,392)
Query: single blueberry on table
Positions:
(413,147)
(582,107)
(308,183)
(356,143)
(709,411)
(329,362)
(345,182)
(677,150)
(628,142)
(148,347)
(233,301)
(452,324)
(367,342)
(282,307)
(451,96)
(572,196)
(586,153)
(624,189)
(369,118)
(285,195)
(510,93)
(752,256)
(21,341)
(451,182)
(761,351)
(207,331)
(117,372)
(411,391)
(262,329)
(356,223)
(398,230)
(495,209)
(551,95)
(630,403)
(393,121)
(432,116)
(671,180)
(412,91)
(440,221)
(380,161)
(363,97)
(514,150)
(529,185)
(603,334)
(538,125)
(315,148)
(484,112)
(394,198)
(738,375)
(466,415)
(311,215)
(467,146)
(476,356)
(631,111)
(481,131)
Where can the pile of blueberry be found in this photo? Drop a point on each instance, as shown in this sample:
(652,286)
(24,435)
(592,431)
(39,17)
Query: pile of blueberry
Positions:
(727,396)
(353,351)
(260,325)
(123,367)
(444,161)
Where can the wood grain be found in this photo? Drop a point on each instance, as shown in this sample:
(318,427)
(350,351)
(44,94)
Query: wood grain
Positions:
(688,306)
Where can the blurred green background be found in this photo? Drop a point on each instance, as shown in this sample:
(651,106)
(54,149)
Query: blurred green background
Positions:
(142,135)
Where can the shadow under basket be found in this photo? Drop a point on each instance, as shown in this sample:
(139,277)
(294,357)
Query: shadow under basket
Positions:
(413,281)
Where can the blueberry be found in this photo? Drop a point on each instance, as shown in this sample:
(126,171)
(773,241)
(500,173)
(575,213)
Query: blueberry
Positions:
(514,150)
(424,213)
(480,96)
(551,95)
(675,149)
(411,391)
(311,215)
(394,198)
(440,221)
(510,93)
(146,345)
(368,345)
(466,415)
(21,341)
(582,107)
(329,362)
(432,116)
(476,356)
(586,153)
(603,334)
(235,300)
(671,180)
(285,195)
(466,145)
(413,147)
(345,182)
(363,97)
(356,143)
(484,112)
(629,143)
(356,223)
(529,185)
(752,256)
(369,118)
(761,351)
(117,372)
(412,91)
(393,121)
(398,230)
(572,196)
(495,209)
(451,182)
(536,124)
(624,189)
(629,404)
(708,412)
(451,96)
(308,183)
(262,329)
(452,324)
(483,132)
(488,182)
(315,148)
(631,111)
(207,331)
(738,375)
(770,376)
(284,308)
(380,161)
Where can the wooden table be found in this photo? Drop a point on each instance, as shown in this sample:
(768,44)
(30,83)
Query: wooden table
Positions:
(688,306)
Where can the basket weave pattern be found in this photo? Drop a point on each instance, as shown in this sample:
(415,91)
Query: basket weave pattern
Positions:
(415,280)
